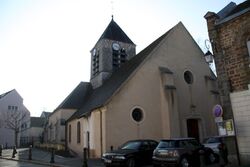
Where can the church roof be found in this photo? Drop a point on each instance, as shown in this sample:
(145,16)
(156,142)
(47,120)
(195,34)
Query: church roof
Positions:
(75,99)
(99,96)
(114,32)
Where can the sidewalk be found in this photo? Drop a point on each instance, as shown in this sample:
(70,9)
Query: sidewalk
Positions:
(43,158)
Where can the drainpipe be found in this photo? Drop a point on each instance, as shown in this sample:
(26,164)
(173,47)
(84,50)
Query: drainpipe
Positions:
(101,140)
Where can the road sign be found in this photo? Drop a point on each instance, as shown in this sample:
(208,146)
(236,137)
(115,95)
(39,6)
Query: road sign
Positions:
(217,110)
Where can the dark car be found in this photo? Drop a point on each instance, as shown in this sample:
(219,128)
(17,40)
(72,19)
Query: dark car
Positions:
(132,153)
(182,152)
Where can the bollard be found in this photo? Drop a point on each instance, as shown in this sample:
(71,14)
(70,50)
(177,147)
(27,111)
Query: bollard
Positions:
(52,160)
(85,162)
(1,149)
(202,158)
(111,148)
(14,152)
(30,152)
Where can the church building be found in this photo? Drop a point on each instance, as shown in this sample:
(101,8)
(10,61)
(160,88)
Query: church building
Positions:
(165,91)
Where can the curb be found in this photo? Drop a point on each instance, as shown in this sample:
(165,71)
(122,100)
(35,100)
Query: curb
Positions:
(34,162)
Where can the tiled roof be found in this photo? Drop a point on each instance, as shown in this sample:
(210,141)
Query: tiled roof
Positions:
(240,7)
(46,114)
(75,99)
(232,11)
(99,96)
(37,122)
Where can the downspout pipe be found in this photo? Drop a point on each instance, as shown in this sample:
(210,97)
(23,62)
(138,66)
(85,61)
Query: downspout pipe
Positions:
(101,139)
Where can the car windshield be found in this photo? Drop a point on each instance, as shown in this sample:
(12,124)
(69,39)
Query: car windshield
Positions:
(167,144)
(132,145)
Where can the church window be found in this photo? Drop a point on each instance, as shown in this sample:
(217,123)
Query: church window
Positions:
(95,61)
(137,115)
(78,132)
(188,76)
(116,59)
(69,133)
(119,57)
(123,55)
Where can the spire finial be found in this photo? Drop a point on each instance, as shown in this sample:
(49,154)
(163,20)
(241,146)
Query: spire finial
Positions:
(112,9)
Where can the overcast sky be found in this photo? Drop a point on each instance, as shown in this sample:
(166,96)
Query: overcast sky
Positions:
(45,44)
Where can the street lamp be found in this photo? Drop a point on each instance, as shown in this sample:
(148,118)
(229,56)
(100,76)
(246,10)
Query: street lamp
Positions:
(208,56)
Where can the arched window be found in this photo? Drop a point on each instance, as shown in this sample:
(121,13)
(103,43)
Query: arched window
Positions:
(69,133)
(78,132)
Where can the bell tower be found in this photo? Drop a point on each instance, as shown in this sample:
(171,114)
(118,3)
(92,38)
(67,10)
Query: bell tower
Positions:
(112,50)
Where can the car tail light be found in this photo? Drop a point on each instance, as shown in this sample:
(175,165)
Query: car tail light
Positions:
(174,153)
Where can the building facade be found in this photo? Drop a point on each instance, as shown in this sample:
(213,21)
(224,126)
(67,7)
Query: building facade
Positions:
(229,33)
(13,116)
(165,91)
(32,134)
(55,125)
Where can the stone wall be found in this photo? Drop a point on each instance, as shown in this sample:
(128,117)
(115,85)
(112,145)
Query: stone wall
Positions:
(229,43)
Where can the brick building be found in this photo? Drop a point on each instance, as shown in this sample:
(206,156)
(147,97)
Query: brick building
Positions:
(229,33)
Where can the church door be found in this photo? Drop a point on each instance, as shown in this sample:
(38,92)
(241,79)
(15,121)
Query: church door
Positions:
(193,128)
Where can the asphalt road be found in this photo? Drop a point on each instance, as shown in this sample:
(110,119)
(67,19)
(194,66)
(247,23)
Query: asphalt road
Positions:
(10,163)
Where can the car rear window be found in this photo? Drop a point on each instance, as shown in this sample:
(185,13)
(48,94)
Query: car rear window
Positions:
(212,140)
(167,144)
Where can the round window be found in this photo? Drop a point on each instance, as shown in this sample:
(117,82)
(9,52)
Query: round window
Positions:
(188,76)
(137,114)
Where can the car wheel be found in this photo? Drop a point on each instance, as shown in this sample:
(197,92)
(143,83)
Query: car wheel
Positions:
(184,162)
(131,162)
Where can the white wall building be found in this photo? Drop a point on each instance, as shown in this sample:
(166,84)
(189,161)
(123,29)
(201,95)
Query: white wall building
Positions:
(13,115)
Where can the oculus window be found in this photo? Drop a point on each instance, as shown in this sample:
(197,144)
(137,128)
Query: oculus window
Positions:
(137,115)
(188,77)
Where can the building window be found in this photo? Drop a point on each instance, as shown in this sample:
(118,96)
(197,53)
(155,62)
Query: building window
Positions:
(69,133)
(248,46)
(137,115)
(188,76)
(78,132)
(62,122)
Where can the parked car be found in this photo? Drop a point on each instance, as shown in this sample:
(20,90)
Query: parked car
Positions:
(182,152)
(132,153)
(213,142)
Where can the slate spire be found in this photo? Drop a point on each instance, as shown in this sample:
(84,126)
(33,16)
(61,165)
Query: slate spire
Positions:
(115,33)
